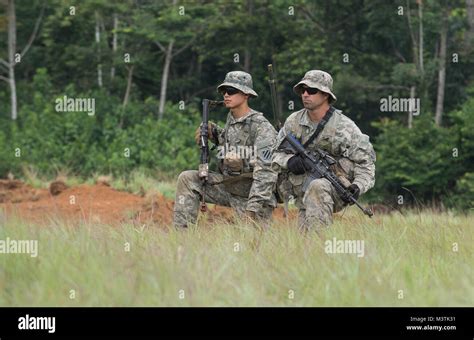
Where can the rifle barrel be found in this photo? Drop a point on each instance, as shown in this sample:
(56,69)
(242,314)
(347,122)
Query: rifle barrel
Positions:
(274,95)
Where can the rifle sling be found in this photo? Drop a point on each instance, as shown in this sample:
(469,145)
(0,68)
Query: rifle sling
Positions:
(320,127)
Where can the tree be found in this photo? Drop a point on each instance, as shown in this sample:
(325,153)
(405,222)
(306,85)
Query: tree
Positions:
(13,56)
(163,25)
(442,67)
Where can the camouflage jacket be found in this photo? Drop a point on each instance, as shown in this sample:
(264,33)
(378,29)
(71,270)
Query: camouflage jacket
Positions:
(341,138)
(254,138)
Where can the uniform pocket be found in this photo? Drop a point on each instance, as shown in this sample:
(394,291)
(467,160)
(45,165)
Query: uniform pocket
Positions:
(296,180)
(240,187)
(346,168)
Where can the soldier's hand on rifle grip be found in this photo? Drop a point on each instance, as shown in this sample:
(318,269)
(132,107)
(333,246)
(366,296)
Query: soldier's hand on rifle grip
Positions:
(211,133)
(355,191)
(295,165)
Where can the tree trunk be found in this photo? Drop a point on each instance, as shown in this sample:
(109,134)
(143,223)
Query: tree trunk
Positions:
(247,60)
(164,79)
(410,113)
(413,39)
(420,26)
(114,46)
(470,18)
(441,71)
(129,85)
(10,65)
(97,40)
(11,57)
(247,53)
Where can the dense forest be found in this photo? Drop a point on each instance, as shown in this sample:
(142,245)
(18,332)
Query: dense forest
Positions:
(143,68)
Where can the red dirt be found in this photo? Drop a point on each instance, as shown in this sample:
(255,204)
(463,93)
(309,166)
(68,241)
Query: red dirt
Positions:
(94,203)
(97,203)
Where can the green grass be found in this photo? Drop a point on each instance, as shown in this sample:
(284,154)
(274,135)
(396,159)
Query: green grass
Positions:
(140,183)
(413,253)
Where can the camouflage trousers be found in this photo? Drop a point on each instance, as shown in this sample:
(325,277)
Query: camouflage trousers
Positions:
(317,205)
(188,196)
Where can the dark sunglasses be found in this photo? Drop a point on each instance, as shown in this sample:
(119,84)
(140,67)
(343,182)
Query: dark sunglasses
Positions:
(229,90)
(310,90)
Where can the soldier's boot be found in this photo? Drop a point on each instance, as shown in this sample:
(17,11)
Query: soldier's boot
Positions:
(261,219)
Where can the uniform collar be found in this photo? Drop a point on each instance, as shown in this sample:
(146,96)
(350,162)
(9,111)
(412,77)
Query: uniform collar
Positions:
(306,121)
(232,120)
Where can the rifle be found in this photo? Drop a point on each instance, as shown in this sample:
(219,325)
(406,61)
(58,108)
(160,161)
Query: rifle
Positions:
(203,171)
(274,94)
(318,165)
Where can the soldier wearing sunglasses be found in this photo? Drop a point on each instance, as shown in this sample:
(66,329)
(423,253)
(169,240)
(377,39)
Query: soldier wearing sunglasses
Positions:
(339,136)
(245,180)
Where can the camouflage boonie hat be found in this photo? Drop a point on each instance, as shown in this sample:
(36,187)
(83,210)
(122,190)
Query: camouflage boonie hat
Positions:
(241,81)
(317,79)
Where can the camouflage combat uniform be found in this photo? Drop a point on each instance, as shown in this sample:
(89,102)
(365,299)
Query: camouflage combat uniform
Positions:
(254,190)
(343,140)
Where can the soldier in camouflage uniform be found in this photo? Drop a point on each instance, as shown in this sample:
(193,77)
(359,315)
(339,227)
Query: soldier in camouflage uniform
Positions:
(246,180)
(340,137)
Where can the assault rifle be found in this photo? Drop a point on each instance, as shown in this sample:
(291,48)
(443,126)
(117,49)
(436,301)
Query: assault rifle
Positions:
(203,171)
(317,165)
(274,95)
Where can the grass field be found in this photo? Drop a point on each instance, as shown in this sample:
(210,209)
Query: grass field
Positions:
(414,260)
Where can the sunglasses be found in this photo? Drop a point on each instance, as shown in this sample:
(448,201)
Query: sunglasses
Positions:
(229,90)
(310,90)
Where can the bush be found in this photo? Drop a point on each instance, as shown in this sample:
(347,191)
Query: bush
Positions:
(114,140)
(434,163)
(463,196)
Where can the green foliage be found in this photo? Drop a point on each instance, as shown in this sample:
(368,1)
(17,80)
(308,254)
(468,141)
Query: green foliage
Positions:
(7,156)
(419,159)
(463,125)
(433,163)
(371,51)
(115,140)
(463,197)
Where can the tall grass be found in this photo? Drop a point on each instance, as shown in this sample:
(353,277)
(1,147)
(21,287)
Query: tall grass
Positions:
(238,265)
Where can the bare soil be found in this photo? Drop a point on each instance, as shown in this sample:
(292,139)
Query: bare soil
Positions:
(97,203)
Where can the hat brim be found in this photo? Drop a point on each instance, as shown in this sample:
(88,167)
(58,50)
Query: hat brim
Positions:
(244,89)
(315,86)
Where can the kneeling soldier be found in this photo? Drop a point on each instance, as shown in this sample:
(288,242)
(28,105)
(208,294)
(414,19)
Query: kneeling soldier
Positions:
(319,125)
(246,180)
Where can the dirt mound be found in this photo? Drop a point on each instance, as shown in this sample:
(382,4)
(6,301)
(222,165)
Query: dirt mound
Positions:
(57,187)
(155,209)
(10,184)
(15,191)
(93,203)
(97,203)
